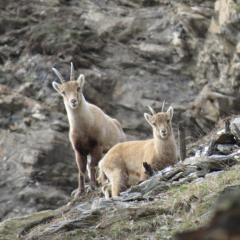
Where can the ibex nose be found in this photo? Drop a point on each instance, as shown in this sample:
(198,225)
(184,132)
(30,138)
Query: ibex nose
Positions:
(73,101)
(164,131)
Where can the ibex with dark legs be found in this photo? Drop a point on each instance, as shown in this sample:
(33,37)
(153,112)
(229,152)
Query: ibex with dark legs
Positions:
(129,163)
(91,132)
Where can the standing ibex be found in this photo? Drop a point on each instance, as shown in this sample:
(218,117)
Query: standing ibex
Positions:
(91,130)
(125,163)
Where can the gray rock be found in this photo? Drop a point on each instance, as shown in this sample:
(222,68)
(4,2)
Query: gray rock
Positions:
(226,148)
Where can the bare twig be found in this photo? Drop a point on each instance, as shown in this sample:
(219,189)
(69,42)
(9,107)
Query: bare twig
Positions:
(182,142)
(211,148)
(227,126)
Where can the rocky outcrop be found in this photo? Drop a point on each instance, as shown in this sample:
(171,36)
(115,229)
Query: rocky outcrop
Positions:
(218,62)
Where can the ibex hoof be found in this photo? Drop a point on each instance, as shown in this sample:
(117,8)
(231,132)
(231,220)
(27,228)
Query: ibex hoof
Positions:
(77,193)
(91,188)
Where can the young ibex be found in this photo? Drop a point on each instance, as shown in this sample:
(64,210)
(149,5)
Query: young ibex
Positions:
(91,131)
(125,164)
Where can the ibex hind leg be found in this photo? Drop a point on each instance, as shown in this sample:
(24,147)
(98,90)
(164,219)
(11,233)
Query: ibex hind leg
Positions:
(117,182)
(106,189)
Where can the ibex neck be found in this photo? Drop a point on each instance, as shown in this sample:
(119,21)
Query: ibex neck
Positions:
(167,146)
(79,117)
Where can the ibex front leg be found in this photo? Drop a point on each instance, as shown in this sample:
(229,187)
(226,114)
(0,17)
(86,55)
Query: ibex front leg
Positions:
(96,155)
(81,161)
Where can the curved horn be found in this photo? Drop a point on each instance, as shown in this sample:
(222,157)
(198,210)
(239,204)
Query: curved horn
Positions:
(72,72)
(59,75)
(151,110)
(163,105)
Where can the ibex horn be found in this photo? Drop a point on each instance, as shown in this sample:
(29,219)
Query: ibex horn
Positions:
(58,74)
(163,105)
(72,72)
(151,110)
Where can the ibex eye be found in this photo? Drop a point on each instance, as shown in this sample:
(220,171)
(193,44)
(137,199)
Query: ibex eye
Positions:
(78,89)
(63,93)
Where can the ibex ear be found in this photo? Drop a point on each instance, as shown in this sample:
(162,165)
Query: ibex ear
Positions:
(148,117)
(56,86)
(81,80)
(170,112)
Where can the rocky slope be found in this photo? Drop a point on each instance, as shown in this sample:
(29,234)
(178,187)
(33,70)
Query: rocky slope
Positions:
(133,53)
(174,199)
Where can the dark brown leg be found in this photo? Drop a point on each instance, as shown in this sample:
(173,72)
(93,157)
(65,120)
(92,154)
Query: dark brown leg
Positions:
(81,161)
(96,155)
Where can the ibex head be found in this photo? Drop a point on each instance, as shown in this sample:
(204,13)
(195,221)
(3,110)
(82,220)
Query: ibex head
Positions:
(161,122)
(71,91)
